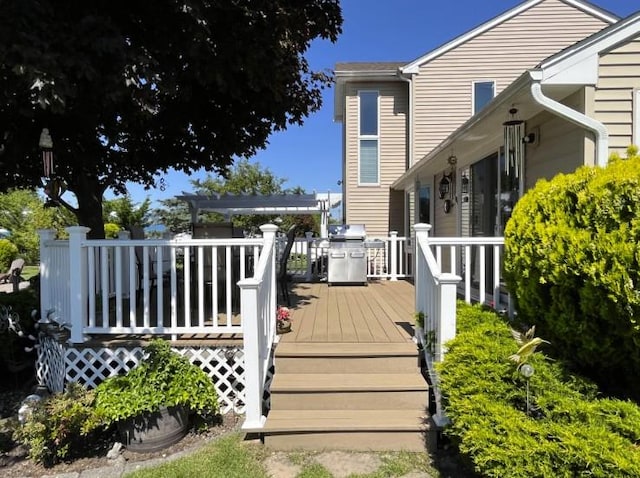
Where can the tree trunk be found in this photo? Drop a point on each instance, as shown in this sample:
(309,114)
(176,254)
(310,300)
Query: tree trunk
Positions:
(88,191)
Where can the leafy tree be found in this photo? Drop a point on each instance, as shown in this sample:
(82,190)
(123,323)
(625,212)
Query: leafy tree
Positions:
(174,215)
(124,212)
(129,90)
(22,212)
(244,178)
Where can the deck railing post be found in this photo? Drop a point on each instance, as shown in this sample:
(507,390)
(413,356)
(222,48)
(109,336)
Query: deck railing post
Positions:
(393,245)
(258,328)
(446,328)
(77,282)
(252,361)
(420,266)
(46,235)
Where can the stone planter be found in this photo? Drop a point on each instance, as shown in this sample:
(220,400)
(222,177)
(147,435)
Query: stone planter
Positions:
(154,431)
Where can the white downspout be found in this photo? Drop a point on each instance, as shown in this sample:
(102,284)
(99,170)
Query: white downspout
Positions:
(575,117)
(410,116)
(409,148)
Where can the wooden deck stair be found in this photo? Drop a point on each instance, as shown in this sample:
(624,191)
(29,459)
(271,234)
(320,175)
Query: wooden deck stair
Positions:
(355,396)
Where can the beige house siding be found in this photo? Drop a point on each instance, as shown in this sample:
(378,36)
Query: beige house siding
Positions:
(443,88)
(560,147)
(618,76)
(370,205)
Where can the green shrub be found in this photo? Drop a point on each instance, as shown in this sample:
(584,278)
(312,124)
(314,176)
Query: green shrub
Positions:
(59,427)
(569,433)
(111,230)
(8,252)
(163,379)
(572,263)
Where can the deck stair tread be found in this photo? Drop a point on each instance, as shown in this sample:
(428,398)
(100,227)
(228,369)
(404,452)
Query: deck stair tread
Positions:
(319,349)
(293,382)
(346,420)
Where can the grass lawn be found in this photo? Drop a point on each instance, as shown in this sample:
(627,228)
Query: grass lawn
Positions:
(229,457)
(29,271)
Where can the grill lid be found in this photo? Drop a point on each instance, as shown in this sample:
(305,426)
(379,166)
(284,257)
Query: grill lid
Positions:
(346,232)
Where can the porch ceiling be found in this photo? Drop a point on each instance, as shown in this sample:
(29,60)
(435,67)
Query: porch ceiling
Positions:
(482,134)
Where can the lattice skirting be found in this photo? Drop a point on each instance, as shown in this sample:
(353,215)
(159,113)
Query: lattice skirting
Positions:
(50,363)
(58,364)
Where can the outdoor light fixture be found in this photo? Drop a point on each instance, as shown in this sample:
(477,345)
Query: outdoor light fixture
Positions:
(444,186)
(464,184)
(513,144)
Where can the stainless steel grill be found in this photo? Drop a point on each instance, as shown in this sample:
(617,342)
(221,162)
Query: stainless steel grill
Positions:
(347,254)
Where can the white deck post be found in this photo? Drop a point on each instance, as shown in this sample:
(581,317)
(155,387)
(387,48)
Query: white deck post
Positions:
(422,233)
(77,282)
(252,362)
(46,235)
(393,244)
(446,329)
(258,328)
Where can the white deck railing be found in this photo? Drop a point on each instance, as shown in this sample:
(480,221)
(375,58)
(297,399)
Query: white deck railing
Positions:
(258,309)
(447,267)
(161,287)
(391,260)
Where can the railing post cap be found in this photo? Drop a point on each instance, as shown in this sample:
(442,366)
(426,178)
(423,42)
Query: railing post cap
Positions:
(421,227)
(393,233)
(449,278)
(46,232)
(269,228)
(77,229)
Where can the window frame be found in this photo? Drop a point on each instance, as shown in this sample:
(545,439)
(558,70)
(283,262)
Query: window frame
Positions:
(369,137)
(473,94)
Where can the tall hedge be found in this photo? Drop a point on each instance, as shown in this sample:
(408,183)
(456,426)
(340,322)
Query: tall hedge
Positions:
(572,262)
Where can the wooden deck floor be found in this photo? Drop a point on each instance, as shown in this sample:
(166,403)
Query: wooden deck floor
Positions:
(381,312)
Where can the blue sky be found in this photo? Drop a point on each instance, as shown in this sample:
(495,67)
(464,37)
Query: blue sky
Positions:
(381,30)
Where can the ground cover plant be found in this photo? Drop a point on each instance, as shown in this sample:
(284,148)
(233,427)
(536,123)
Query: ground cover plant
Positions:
(572,263)
(570,431)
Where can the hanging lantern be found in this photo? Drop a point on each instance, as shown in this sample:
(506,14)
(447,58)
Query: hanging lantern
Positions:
(513,145)
(464,183)
(46,145)
(444,186)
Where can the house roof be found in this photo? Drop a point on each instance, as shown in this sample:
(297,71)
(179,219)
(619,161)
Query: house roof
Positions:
(361,71)
(561,74)
(385,71)
(585,6)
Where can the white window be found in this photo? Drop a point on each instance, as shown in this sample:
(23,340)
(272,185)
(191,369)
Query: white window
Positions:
(483,93)
(368,139)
